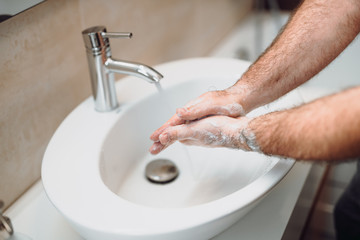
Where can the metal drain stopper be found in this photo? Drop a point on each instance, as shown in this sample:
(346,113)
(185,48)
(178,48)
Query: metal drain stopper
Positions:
(161,171)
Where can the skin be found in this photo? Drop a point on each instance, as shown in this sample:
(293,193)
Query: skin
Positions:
(213,131)
(325,129)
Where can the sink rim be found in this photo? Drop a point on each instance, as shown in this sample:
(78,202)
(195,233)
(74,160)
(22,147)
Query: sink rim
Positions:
(79,118)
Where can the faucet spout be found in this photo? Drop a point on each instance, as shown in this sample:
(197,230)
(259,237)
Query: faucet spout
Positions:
(135,69)
(102,67)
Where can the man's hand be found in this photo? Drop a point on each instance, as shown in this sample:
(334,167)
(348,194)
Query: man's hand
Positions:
(315,35)
(225,102)
(213,131)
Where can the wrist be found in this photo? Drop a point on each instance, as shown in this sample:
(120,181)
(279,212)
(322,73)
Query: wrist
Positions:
(246,138)
(249,139)
(242,94)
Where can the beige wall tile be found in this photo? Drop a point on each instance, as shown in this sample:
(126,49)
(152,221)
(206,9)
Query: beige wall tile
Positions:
(165,30)
(44,72)
(42,79)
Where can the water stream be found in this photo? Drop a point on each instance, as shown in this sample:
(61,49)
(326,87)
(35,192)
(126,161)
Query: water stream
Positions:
(170,108)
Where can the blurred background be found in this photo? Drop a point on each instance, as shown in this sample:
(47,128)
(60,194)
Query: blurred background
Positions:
(44,76)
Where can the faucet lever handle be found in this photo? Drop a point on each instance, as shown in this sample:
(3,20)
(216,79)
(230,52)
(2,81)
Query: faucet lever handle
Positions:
(116,34)
(96,38)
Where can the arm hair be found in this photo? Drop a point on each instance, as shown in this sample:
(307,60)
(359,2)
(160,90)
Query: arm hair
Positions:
(325,129)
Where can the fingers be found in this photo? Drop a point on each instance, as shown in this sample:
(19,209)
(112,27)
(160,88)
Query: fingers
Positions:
(169,136)
(173,121)
(213,131)
(176,133)
(200,111)
(208,104)
(211,103)
(197,108)
(156,148)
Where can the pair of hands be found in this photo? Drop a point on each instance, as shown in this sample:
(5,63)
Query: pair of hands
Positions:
(212,120)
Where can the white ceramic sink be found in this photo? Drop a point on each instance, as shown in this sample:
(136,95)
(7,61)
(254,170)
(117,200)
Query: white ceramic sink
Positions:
(93,168)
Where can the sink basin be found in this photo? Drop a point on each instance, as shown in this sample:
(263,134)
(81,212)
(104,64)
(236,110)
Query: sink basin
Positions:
(93,170)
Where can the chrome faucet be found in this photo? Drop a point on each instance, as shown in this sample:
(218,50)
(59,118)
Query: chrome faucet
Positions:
(6,227)
(102,67)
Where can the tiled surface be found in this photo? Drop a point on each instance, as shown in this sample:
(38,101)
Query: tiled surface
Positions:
(41,81)
(44,72)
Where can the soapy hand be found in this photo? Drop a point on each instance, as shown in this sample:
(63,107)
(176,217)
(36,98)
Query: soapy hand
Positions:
(225,102)
(213,131)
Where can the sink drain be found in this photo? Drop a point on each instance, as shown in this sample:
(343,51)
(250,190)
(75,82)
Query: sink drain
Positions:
(161,171)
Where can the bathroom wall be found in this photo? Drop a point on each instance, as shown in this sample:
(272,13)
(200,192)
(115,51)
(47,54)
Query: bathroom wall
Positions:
(44,71)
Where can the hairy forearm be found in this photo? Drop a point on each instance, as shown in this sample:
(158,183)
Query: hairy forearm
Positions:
(326,129)
(315,35)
